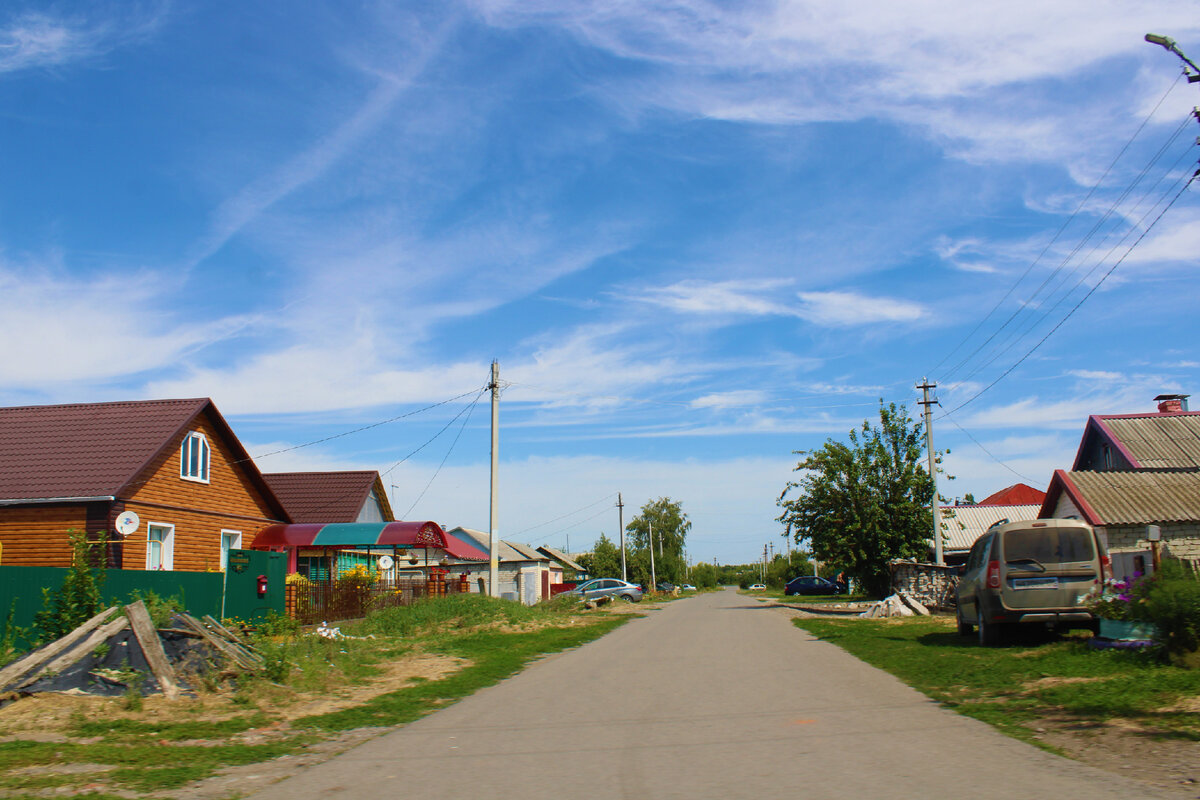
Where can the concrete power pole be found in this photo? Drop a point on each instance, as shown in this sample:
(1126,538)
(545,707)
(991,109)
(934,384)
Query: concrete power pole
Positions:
(621,523)
(653,574)
(928,402)
(493,519)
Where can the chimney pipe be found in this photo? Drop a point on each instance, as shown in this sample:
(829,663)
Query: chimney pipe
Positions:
(1172,403)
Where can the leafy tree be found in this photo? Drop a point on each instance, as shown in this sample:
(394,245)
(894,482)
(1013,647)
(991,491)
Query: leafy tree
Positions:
(864,503)
(670,526)
(704,576)
(78,599)
(604,561)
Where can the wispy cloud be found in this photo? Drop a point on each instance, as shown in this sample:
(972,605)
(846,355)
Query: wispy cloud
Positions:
(845,309)
(743,398)
(78,329)
(44,39)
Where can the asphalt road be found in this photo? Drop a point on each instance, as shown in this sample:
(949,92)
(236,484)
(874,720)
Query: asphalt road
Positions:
(716,696)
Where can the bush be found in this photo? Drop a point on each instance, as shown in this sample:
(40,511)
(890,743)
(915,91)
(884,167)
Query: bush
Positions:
(78,599)
(1170,600)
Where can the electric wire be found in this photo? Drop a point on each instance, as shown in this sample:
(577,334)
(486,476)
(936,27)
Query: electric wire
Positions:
(1082,300)
(363,428)
(458,436)
(1059,233)
(430,440)
(1029,304)
(568,514)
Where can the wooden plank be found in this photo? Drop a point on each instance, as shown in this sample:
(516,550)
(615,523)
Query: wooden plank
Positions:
(238,645)
(85,649)
(42,656)
(147,636)
(218,642)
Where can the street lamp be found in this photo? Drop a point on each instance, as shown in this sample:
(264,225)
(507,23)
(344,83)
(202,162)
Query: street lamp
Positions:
(1167,43)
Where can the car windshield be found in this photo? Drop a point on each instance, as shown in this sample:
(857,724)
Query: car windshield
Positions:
(1048,545)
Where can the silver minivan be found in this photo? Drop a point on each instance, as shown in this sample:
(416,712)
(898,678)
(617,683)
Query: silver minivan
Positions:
(1032,572)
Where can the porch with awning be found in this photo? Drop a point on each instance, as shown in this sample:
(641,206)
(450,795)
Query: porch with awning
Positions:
(366,535)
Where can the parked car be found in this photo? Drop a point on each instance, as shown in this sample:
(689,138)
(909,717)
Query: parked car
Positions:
(757,587)
(811,584)
(606,587)
(665,586)
(1034,572)
(687,587)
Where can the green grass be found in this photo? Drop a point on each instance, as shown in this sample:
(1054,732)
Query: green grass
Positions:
(492,656)
(1012,686)
(145,756)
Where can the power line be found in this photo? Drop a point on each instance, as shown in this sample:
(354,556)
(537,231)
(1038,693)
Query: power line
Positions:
(1049,244)
(458,436)
(564,516)
(363,428)
(430,440)
(1082,300)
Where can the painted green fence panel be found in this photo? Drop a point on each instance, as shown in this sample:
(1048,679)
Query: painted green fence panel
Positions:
(200,592)
(242,598)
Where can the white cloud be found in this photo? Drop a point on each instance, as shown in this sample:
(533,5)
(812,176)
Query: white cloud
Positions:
(757,297)
(63,329)
(974,75)
(844,309)
(744,297)
(744,398)
(45,40)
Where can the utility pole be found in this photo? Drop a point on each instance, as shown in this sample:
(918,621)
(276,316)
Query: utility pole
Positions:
(928,402)
(621,523)
(653,575)
(493,520)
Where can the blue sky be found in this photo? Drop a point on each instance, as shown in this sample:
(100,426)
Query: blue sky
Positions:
(696,236)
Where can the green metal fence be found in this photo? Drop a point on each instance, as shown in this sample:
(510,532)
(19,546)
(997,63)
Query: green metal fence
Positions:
(200,593)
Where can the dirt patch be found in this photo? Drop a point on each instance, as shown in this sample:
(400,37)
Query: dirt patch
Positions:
(1126,748)
(397,674)
(1042,683)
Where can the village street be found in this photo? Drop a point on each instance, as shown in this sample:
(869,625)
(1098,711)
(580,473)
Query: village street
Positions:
(713,696)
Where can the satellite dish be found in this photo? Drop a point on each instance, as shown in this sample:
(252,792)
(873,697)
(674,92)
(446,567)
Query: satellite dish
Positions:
(386,562)
(127,523)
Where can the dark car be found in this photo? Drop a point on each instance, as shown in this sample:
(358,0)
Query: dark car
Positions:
(811,584)
(666,586)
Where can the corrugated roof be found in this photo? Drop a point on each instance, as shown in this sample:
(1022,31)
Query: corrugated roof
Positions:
(1140,497)
(527,551)
(322,496)
(504,550)
(561,557)
(85,449)
(1159,441)
(965,524)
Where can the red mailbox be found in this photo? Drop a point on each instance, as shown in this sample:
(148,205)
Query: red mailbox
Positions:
(262,585)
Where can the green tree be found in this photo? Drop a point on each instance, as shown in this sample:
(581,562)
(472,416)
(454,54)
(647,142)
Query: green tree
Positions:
(865,503)
(78,599)
(670,526)
(604,561)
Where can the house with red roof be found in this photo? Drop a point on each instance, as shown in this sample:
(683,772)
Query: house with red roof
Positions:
(166,479)
(1133,471)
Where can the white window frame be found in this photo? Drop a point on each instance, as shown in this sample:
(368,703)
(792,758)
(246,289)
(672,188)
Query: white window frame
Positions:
(168,546)
(195,439)
(227,534)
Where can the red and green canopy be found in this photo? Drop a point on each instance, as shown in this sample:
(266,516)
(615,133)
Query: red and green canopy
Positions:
(366,534)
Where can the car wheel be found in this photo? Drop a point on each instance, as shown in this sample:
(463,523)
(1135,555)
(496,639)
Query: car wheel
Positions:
(964,628)
(628,598)
(989,632)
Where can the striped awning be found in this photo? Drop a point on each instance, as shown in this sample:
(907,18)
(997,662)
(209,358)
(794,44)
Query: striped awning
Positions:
(366,534)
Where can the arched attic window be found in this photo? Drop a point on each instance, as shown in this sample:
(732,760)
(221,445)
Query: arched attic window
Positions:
(193,457)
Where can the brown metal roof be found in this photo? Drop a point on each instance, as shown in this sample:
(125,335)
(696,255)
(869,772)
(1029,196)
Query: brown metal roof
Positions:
(87,449)
(1139,497)
(1159,441)
(92,450)
(325,497)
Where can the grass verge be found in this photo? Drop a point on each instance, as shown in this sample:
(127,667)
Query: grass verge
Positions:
(320,688)
(1012,687)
